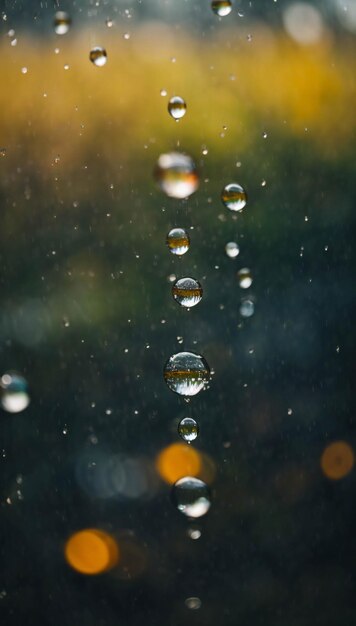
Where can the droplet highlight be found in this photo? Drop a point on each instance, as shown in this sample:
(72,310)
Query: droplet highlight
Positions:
(234,197)
(244,277)
(188,429)
(62,23)
(186,373)
(191,496)
(188,292)
(98,56)
(177,107)
(176,174)
(178,241)
(222,8)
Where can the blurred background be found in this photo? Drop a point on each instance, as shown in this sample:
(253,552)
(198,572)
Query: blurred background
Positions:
(88,428)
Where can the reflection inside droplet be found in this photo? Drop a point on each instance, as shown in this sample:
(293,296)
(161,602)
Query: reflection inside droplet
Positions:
(178,241)
(188,429)
(187,292)
(234,197)
(186,373)
(176,174)
(177,107)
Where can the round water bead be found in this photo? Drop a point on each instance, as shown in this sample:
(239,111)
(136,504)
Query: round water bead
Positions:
(191,496)
(234,197)
(193,603)
(178,241)
(62,23)
(177,107)
(176,174)
(98,56)
(14,396)
(232,249)
(244,277)
(186,373)
(221,7)
(188,429)
(247,308)
(187,292)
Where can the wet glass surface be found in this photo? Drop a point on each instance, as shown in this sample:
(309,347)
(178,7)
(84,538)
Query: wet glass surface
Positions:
(94,173)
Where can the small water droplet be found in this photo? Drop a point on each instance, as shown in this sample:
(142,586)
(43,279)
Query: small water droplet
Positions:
(232,249)
(109,22)
(264,183)
(194,533)
(3,152)
(326,248)
(177,107)
(187,292)
(98,56)
(188,429)
(163,92)
(62,22)
(289,411)
(127,36)
(221,7)
(265,135)
(244,278)
(249,37)
(24,70)
(247,308)
(186,373)
(66,66)
(193,603)
(178,241)
(14,396)
(191,496)
(234,197)
(13,42)
(176,174)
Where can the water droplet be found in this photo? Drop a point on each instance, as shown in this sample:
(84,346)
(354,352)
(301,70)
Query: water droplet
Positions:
(247,308)
(193,603)
(221,7)
(14,396)
(234,197)
(187,292)
(163,92)
(244,277)
(191,496)
(176,174)
(194,533)
(178,241)
(186,373)
(109,22)
(126,36)
(24,70)
(264,135)
(177,107)
(188,429)
(249,37)
(62,23)
(2,152)
(232,249)
(289,411)
(98,56)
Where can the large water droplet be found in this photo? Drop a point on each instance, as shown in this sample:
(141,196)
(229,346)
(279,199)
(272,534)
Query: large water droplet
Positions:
(62,23)
(98,56)
(178,241)
(232,249)
(247,308)
(221,7)
(176,174)
(14,396)
(177,107)
(245,278)
(186,373)
(191,496)
(187,292)
(234,197)
(188,429)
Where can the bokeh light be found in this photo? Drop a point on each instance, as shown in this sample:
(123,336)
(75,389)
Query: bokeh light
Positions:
(337,460)
(176,461)
(91,551)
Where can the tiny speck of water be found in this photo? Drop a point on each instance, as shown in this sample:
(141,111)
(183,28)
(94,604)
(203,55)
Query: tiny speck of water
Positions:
(194,533)
(24,70)
(127,36)
(290,411)
(163,92)
(98,56)
(193,603)
(109,22)
(247,308)
(244,278)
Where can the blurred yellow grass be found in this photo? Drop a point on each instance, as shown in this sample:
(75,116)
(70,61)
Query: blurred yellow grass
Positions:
(63,118)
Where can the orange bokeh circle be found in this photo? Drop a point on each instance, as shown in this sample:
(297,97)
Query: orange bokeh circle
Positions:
(176,461)
(91,551)
(337,460)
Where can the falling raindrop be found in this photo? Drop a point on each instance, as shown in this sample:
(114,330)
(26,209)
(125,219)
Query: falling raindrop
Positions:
(234,197)
(176,174)
(191,496)
(188,429)
(221,7)
(14,396)
(109,22)
(186,373)
(98,56)
(244,277)
(194,533)
(247,308)
(62,23)
(187,292)
(178,241)
(232,249)
(177,107)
